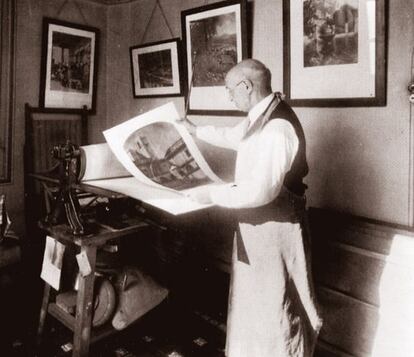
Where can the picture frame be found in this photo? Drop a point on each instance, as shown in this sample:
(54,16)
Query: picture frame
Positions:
(156,69)
(215,39)
(334,53)
(69,66)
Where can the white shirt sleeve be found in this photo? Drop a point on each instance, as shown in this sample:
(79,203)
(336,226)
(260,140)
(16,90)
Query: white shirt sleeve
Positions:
(264,161)
(226,137)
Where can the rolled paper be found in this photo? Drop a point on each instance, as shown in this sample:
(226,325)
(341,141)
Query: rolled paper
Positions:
(99,162)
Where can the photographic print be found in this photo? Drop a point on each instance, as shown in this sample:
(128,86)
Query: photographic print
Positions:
(155,69)
(69,66)
(214,36)
(334,52)
(214,48)
(330,32)
(160,153)
(163,158)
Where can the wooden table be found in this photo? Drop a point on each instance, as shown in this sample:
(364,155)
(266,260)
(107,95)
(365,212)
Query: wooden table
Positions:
(80,324)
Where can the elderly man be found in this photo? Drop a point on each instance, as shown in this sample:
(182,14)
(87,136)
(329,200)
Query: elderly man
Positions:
(271,304)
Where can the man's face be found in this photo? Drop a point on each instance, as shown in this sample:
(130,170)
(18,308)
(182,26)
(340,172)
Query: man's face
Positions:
(237,91)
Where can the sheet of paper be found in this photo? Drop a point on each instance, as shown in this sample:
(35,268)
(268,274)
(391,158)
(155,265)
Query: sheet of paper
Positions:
(99,162)
(160,152)
(52,262)
(172,202)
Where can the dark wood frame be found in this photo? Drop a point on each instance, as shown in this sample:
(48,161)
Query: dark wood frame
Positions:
(179,68)
(42,92)
(380,65)
(7,86)
(244,50)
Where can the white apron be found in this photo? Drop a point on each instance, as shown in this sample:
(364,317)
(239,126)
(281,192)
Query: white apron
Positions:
(271,305)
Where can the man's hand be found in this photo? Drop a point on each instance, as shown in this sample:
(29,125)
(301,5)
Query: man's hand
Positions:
(188,124)
(200,194)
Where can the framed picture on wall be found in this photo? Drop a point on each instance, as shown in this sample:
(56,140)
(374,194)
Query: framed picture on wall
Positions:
(156,69)
(334,52)
(214,37)
(69,66)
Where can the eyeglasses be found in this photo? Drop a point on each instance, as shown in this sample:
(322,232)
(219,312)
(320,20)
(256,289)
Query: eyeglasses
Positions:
(231,90)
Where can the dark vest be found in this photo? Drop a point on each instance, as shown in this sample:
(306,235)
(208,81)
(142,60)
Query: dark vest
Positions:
(294,178)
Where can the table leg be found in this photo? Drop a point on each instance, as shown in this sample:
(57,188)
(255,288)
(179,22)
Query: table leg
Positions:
(43,314)
(84,307)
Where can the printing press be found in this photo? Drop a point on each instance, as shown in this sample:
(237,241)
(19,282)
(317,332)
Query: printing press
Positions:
(92,220)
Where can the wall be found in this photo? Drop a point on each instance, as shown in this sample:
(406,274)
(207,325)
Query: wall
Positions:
(28,59)
(359,157)
(361,269)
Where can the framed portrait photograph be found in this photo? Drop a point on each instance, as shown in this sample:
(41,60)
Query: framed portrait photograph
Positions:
(334,52)
(156,69)
(215,40)
(69,66)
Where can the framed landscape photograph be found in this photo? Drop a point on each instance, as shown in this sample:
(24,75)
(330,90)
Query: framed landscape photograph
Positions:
(156,69)
(334,52)
(215,40)
(69,66)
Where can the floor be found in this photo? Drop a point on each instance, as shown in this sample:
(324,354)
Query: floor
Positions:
(163,332)
(178,327)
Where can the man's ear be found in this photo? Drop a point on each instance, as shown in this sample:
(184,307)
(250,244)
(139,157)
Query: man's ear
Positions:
(249,85)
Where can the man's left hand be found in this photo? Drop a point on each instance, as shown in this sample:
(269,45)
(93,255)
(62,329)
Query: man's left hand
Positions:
(200,194)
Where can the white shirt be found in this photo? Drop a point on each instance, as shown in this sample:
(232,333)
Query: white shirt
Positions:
(263,158)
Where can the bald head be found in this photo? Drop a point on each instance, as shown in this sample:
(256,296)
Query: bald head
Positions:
(256,72)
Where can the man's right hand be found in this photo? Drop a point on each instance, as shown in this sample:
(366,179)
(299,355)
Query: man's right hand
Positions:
(188,124)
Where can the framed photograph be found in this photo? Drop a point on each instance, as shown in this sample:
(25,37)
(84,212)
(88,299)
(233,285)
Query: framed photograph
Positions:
(215,40)
(156,69)
(69,66)
(334,52)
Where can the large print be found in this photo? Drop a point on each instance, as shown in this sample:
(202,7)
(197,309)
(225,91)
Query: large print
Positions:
(69,66)
(154,159)
(215,40)
(160,152)
(334,52)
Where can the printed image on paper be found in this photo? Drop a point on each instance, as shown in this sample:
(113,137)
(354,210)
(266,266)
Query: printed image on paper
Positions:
(214,44)
(330,32)
(159,151)
(161,154)
(52,262)
(156,69)
(71,58)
